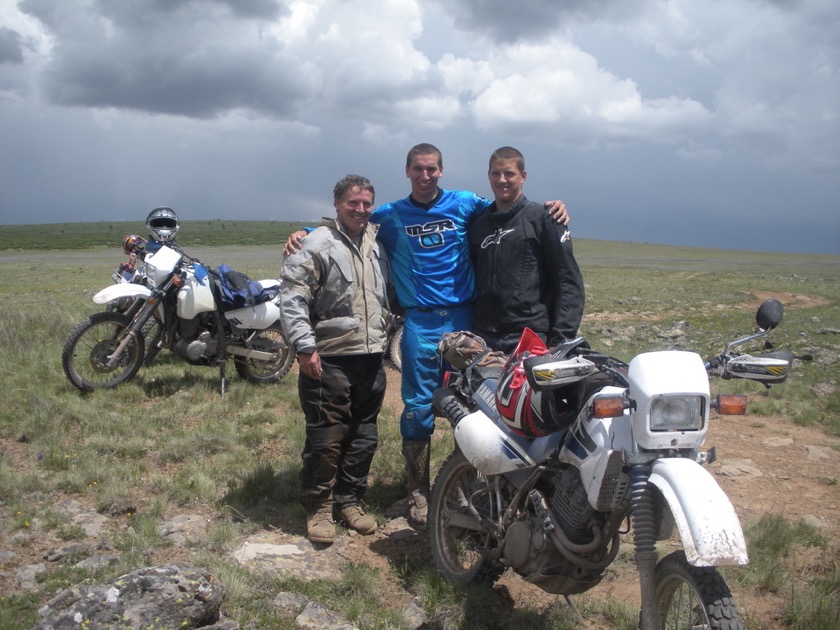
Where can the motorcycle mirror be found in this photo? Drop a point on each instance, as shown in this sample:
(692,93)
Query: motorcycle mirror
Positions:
(769,314)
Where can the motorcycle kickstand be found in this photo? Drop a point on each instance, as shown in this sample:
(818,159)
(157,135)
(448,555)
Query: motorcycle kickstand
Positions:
(222,355)
(222,377)
(571,605)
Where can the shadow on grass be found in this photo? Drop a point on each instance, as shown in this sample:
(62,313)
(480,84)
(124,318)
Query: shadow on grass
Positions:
(267,498)
(163,386)
(486,606)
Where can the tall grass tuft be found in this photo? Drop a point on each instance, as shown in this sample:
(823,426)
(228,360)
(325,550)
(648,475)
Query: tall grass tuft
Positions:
(818,607)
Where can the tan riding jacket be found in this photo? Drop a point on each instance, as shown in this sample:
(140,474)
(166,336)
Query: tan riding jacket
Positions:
(334,294)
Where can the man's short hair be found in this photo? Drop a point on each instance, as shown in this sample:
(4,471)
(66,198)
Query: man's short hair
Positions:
(508,153)
(349,181)
(424,148)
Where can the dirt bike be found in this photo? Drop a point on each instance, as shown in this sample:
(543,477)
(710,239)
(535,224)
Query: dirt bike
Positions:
(556,450)
(185,298)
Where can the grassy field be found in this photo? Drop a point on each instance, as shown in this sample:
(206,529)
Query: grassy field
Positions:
(215,233)
(167,441)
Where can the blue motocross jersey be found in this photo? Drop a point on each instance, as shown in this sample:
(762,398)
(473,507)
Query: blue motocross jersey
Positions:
(429,249)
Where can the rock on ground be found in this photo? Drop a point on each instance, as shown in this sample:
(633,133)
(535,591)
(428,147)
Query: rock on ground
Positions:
(161,597)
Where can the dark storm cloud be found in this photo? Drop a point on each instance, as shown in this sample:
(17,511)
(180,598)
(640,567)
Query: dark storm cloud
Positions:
(130,11)
(189,58)
(721,116)
(507,21)
(265,9)
(11,50)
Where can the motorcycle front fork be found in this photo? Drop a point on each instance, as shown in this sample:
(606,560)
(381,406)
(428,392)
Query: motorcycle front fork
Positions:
(644,539)
(133,331)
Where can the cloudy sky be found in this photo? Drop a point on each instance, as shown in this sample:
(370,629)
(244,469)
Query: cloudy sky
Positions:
(709,123)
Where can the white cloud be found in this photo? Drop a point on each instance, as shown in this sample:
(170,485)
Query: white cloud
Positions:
(557,86)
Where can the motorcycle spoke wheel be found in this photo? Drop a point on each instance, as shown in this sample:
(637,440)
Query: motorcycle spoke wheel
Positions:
(693,598)
(461,554)
(87,349)
(273,340)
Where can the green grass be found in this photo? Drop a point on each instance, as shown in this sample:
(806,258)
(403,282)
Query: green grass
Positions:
(167,442)
(811,589)
(213,233)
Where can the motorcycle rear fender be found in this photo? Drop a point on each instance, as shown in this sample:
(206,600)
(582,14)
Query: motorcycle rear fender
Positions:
(709,528)
(117,291)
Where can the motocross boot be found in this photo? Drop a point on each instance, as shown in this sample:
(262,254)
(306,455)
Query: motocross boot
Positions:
(355,518)
(416,454)
(319,524)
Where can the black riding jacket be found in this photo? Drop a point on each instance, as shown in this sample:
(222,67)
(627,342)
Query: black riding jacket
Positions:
(525,273)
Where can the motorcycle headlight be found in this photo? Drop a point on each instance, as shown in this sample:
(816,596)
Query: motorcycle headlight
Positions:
(677,413)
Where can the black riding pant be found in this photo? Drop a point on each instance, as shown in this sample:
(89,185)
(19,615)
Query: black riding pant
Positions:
(341,435)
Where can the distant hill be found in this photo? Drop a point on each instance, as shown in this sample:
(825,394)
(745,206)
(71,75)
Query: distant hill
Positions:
(217,232)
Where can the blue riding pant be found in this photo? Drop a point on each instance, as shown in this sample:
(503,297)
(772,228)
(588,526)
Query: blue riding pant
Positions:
(422,368)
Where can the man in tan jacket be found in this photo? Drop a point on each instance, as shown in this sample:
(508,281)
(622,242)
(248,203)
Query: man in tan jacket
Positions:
(334,294)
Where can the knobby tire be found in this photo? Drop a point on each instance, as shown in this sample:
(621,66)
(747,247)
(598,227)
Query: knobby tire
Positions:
(87,349)
(689,597)
(460,555)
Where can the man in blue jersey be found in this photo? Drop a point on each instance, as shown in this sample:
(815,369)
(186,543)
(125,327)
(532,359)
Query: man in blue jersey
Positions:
(425,236)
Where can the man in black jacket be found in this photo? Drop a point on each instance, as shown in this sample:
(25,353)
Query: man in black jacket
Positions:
(525,270)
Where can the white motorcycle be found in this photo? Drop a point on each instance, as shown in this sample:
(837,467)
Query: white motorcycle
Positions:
(184,297)
(559,452)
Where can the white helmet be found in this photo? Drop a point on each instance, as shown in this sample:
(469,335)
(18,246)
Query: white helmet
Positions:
(162,224)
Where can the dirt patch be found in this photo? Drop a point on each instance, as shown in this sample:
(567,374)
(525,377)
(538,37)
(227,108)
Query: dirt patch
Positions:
(797,300)
(789,299)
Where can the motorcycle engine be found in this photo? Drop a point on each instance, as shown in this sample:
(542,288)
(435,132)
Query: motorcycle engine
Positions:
(525,539)
(196,344)
(570,506)
(529,549)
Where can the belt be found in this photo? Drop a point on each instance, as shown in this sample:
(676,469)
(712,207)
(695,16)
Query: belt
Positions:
(440,310)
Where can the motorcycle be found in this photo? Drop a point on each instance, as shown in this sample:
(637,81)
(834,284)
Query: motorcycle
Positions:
(185,298)
(556,450)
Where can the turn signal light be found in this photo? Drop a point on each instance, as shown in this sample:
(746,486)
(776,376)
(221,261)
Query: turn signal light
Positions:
(730,404)
(608,406)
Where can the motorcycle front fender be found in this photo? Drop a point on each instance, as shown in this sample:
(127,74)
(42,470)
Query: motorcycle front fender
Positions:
(709,528)
(117,291)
